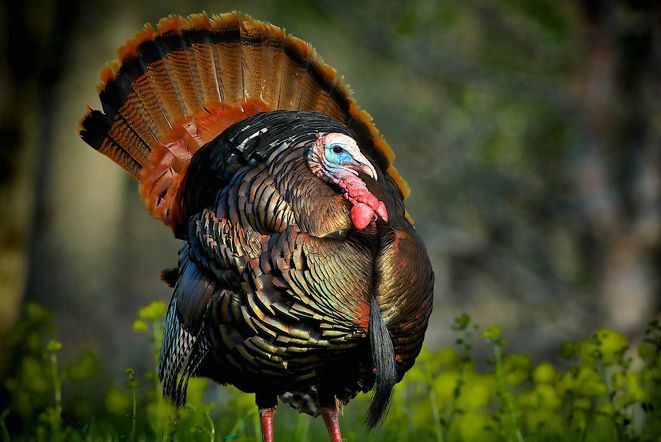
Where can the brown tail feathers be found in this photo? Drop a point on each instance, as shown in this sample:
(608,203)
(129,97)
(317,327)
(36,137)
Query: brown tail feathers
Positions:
(179,86)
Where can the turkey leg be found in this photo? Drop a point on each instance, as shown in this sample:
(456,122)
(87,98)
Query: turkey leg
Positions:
(266,418)
(266,402)
(332,424)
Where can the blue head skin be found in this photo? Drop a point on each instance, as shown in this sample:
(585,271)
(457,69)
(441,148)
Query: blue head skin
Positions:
(332,156)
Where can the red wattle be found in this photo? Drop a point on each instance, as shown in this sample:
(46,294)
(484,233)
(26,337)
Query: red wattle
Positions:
(365,206)
(361,215)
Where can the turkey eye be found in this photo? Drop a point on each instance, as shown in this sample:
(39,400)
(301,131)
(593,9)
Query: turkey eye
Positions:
(337,150)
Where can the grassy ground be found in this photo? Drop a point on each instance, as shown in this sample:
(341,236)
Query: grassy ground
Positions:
(598,390)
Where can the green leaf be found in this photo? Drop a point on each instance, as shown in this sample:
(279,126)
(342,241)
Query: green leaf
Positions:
(493,333)
(53,346)
(153,311)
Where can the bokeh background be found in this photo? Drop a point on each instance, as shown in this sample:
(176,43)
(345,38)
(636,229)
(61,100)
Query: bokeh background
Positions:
(529,132)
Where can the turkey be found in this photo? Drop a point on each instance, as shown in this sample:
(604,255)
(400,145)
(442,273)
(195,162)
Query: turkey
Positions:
(301,277)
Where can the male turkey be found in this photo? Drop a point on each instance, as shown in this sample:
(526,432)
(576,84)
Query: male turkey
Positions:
(301,276)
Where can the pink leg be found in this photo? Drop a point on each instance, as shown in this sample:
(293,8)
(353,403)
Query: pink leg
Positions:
(330,419)
(266,417)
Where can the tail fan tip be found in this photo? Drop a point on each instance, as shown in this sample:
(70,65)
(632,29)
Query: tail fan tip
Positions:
(178,86)
(383,359)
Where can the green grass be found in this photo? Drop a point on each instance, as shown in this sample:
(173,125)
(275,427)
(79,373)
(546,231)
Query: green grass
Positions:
(598,390)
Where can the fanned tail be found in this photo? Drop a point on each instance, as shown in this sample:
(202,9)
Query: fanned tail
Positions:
(180,85)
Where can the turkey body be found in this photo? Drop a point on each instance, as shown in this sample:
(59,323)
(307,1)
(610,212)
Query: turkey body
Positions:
(301,276)
(275,285)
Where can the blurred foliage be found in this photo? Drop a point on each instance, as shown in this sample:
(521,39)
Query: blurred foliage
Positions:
(599,390)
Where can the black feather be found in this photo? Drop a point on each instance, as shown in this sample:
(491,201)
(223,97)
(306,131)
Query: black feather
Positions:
(383,359)
(170,276)
(95,127)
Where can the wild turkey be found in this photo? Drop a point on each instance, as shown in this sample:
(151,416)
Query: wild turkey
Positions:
(301,276)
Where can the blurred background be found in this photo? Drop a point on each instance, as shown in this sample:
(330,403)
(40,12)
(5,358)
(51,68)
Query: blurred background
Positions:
(529,132)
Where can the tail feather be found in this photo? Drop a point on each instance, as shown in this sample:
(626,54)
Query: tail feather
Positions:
(145,103)
(262,61)
(96,130)
(180,85)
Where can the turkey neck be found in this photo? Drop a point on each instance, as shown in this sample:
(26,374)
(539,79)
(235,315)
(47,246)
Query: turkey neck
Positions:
(318,208)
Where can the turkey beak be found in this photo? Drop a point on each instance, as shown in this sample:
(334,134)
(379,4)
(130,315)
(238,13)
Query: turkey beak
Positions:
(370,170)
(365,166)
